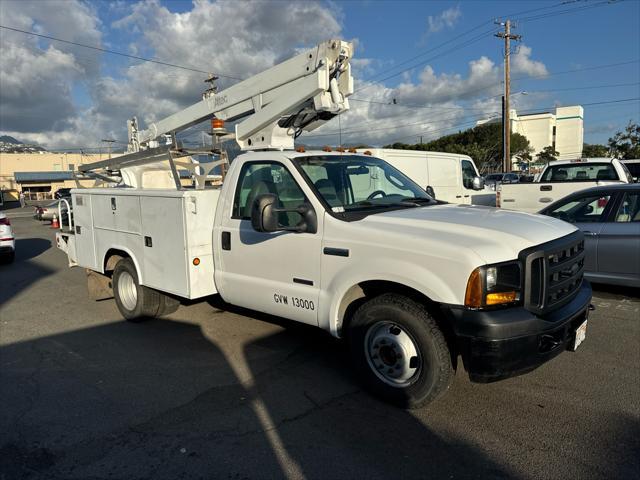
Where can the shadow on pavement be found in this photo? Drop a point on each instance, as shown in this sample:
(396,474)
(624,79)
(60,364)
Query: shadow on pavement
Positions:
(615,291)
(160,400)
(23,272)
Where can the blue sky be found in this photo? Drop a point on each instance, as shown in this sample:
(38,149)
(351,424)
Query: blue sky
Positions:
(62,95)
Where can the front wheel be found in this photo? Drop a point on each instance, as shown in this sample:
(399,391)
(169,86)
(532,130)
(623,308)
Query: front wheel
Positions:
(399,352)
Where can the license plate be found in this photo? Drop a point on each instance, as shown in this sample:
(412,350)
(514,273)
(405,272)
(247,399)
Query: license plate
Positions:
(581,334)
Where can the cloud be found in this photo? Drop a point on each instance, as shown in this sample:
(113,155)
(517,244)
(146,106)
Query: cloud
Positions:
(36,80)
(483,79)
(445,19)
(233,38)
(522,65)
(63,96)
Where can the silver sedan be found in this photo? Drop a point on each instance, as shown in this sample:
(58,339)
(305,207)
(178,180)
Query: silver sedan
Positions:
(609,217)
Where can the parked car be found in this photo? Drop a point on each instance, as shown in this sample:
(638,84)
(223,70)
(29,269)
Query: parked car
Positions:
(633,166)
(7,240)
(62,192)
(609,217)
(494,179)
(46,212)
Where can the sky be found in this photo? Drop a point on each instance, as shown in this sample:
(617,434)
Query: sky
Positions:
(422,69)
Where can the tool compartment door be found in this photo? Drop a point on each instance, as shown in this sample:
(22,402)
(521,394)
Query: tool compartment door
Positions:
(163,236)
(83,222)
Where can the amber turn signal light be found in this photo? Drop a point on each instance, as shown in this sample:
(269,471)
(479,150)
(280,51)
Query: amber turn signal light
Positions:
(502,297)
(473,295)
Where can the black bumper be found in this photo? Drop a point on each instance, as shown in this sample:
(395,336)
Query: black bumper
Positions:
(498,344)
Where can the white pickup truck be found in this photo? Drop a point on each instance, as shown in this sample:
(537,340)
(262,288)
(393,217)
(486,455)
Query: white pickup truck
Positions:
(559,179)
(347,243)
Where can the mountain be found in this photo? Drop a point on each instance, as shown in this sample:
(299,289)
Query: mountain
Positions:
(11,145)
(8,139)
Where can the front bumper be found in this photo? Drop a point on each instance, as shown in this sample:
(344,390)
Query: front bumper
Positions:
(497,344)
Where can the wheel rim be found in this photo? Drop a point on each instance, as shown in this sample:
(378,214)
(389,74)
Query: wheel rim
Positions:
(392,354)
(127,291)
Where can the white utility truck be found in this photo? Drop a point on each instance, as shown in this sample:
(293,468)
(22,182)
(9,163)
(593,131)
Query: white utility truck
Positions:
(342,241)
(449,177)
(560,178)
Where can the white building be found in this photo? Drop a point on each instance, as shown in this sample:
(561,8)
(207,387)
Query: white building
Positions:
(563,130)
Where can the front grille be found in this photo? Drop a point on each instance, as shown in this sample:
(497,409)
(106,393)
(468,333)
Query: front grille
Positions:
(553,273)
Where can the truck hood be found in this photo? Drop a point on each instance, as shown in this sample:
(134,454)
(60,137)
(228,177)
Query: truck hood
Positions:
(494,234)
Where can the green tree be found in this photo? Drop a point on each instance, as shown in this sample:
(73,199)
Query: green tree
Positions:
(594,151)
(548,154)
(626,144)
(482,143)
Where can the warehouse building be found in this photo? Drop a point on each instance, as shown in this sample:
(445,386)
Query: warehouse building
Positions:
(40,175)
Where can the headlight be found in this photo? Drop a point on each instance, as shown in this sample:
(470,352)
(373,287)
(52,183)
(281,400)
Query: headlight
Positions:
(492,285)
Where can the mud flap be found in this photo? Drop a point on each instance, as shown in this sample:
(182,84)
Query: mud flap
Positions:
(99,286)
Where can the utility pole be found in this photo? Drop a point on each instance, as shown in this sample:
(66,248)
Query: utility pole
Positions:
(507,36)
(110,142)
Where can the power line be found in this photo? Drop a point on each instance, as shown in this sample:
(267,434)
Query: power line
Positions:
(564,12)
(456,47)
(484,115)
(135,57)
(474,39)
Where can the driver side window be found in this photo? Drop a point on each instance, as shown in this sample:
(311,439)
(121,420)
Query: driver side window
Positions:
(587,209)
(468,174)
(267,177)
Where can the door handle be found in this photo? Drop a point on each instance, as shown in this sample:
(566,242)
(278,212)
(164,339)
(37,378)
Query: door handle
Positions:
(546,188)
(590,234)
(226,240)
(458,196)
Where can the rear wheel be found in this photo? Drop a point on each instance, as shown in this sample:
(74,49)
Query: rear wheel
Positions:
(399,352)
(135,302)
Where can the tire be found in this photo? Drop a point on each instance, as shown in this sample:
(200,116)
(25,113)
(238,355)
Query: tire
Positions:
(168,304)
(135,302)
(8,258)
(398,351)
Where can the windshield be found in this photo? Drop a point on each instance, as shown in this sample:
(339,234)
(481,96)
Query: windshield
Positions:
(353,183)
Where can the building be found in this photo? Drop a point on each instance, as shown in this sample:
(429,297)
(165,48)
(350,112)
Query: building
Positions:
(39,175)
(562,129)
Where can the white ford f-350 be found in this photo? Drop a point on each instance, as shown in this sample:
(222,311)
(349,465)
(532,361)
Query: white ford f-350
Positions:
(347,243)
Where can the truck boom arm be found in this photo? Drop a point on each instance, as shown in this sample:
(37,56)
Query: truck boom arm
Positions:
(299,94)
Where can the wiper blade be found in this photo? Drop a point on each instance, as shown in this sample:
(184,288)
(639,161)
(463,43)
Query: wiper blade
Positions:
(416,199)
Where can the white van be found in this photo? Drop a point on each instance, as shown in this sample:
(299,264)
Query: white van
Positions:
(451,177)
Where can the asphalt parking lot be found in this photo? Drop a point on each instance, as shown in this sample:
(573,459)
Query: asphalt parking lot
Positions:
(218,392)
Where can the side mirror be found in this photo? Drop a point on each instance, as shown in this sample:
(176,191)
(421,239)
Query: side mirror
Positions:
(478,183)
(430,191)
(264,216)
